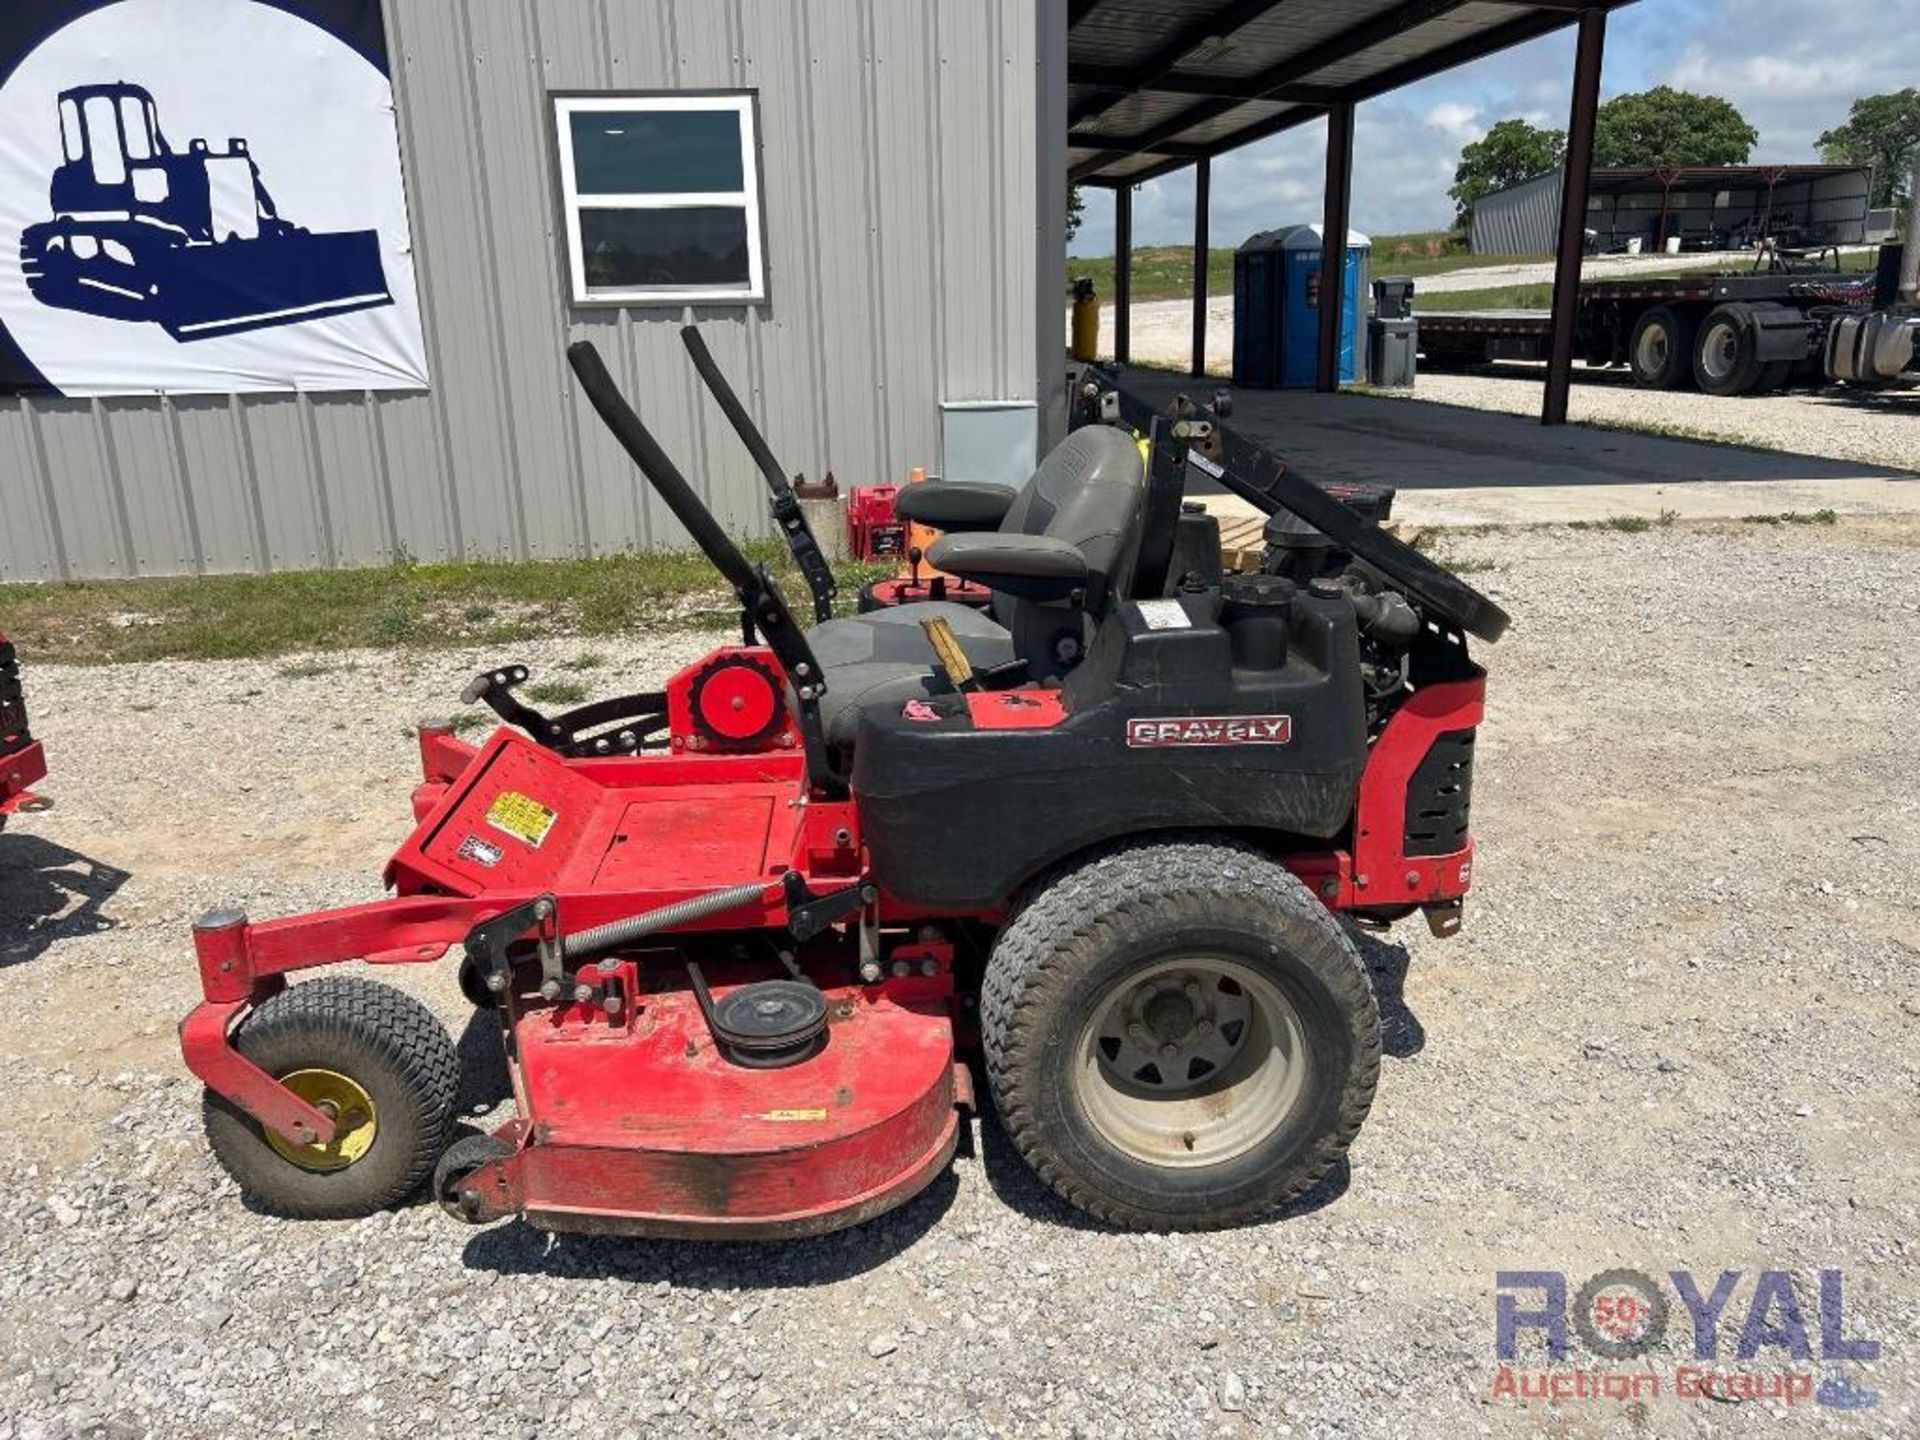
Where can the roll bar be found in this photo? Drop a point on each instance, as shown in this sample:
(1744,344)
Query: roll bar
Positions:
(784,504)
(764,606)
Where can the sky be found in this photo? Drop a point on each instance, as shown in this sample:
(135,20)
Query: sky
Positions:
(1792,67)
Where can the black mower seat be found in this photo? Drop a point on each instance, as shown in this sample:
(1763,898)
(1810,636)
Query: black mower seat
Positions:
(894,636)
(1089,493)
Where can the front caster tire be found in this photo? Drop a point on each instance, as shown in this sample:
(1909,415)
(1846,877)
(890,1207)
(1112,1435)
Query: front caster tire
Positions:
(379,1062)
(450,1176)
(1178,1035)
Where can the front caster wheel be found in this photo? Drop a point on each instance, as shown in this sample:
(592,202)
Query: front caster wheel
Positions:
(376,1061)
(1178,1035)
(450,1176)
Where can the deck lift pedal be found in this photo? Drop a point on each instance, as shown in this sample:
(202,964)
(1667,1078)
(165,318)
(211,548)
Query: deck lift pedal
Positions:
(739,935)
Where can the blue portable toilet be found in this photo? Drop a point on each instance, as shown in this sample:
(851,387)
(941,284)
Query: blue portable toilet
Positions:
(1276,308)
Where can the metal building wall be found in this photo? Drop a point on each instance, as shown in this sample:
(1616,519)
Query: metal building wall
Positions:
(899,159)
(1522,220)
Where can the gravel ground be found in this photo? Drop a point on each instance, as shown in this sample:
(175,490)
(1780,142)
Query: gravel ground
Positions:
(1836,424)
(1679,1031)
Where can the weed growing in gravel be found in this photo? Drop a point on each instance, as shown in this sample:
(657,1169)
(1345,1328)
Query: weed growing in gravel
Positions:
(587,660)
(1625,524)
(304,670)
(556,692)
(468,721)
(1794,517)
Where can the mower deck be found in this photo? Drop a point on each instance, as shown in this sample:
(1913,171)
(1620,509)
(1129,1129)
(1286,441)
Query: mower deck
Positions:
(717,1150)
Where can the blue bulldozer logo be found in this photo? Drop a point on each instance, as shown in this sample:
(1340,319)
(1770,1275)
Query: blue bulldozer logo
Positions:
(192,241)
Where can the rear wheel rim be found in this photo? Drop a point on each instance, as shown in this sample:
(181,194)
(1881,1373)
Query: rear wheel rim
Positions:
(341,1099)
(1720,351)
(1654,351)
(1195,1061)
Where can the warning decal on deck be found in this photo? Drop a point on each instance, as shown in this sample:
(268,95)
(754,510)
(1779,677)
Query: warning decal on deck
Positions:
(521,816)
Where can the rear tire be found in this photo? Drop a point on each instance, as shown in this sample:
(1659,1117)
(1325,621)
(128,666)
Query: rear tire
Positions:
(1134,955)
(373,1042)
(1660,352)
(1725,352)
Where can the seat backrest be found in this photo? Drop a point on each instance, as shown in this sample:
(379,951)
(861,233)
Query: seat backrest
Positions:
(1090,491)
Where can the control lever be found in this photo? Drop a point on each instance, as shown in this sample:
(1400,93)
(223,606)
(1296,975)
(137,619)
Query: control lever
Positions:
(952,658)
(631,721)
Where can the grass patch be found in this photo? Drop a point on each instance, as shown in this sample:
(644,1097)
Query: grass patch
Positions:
(1504,297)
(467,721)
(1794,517)
(227,617)
(304,670)
(1625,524)
(555,692)
(590,660)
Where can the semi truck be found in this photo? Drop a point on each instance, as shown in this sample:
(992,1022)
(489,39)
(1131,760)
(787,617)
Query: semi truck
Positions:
(1880,349)
(1725,334)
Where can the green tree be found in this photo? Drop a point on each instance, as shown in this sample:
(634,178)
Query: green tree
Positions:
(1076,210)
(1881,131)
(1664,126)
(1510,152)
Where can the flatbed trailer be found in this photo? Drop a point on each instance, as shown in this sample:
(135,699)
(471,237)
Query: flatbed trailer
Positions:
(1724,334)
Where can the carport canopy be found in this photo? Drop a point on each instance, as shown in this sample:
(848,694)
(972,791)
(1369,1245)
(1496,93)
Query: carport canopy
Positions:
(1154,85)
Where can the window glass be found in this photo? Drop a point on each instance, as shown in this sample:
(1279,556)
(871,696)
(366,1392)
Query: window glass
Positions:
(663,152)
(665,249)
(133,120)
(662,197)
(70,130)
(103,138)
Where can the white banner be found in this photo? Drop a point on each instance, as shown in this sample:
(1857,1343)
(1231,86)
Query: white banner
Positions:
(202,196)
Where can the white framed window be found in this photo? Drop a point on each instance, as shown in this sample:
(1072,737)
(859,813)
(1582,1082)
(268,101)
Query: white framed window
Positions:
(662,197)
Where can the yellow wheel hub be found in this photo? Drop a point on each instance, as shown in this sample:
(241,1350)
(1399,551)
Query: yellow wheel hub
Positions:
(350,1108)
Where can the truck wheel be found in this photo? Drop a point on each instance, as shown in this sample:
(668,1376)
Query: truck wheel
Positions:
(374,1058)
(1725,356)
(1178,1035)
(1660,352)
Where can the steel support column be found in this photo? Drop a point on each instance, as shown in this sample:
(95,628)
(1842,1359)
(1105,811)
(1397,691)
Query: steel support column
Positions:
(1202,198)
(1333,246)
(1588,55)
(1122,270)
(1051,22)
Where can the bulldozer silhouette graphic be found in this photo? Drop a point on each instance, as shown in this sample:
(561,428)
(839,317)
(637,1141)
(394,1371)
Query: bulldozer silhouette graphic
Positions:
(192,241)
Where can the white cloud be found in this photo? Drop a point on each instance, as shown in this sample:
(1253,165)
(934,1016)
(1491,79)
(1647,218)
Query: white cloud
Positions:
(1460,121)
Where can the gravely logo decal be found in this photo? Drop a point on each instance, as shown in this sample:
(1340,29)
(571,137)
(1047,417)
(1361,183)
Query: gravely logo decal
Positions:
(1211,730)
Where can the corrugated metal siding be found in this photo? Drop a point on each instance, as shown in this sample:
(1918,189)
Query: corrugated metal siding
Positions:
(898,155)
(1523,220)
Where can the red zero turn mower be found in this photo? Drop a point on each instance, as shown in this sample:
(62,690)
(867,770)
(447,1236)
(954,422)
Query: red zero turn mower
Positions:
(737,934)
(22,762)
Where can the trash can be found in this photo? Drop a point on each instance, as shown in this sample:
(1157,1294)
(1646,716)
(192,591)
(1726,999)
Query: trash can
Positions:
(1393,338)
(1276,307)
(1391,349)
(1393,297)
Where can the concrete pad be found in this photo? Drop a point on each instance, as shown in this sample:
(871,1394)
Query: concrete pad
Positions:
(1455,466)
